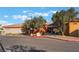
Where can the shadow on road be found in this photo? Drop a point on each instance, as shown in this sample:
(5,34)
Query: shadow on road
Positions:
(20,48)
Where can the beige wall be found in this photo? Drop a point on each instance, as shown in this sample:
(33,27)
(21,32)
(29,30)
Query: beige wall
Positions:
(12,30)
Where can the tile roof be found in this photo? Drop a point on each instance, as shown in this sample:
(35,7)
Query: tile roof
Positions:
(13,26)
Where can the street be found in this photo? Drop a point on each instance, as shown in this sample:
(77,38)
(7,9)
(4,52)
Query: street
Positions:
(47,44)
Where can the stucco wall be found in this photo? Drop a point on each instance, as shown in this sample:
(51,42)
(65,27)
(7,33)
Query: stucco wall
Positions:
(74,28)
(12,30)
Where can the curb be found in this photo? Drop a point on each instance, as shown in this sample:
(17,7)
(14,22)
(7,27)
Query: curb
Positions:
(39,36)
(65,40)
(54,38)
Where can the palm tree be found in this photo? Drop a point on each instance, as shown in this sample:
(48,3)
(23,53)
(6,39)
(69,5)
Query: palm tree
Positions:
(71,14)
(59,20)
(63,17)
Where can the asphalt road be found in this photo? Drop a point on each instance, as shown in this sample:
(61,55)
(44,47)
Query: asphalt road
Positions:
(49,45)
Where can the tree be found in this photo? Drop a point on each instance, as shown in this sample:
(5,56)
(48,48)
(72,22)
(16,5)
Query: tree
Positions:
(26,26)
(58,20)
(1,29)
(71,14)
(34,23)
(63,17)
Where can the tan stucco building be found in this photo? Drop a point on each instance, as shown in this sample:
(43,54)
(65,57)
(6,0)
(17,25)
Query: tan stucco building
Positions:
(72,28)
(12,29)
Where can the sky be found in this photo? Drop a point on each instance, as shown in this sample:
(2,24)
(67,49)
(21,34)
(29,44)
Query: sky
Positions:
(17,15)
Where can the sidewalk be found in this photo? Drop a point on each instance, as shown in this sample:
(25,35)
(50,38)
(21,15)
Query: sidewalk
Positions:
(65,38)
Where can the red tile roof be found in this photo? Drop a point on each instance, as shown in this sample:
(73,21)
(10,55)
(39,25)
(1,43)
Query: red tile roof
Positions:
(13,26)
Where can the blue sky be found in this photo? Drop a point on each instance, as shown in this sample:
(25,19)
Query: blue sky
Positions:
(15,15)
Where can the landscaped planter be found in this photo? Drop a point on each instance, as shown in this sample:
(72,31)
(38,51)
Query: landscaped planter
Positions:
(38,34)
(31,34)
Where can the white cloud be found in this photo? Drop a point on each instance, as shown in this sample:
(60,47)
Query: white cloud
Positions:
(6,16)
(41,14)
(30,14)
(25,11)
(7,24)
(38,14)
(21,17)
(53,11)
(2,22)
